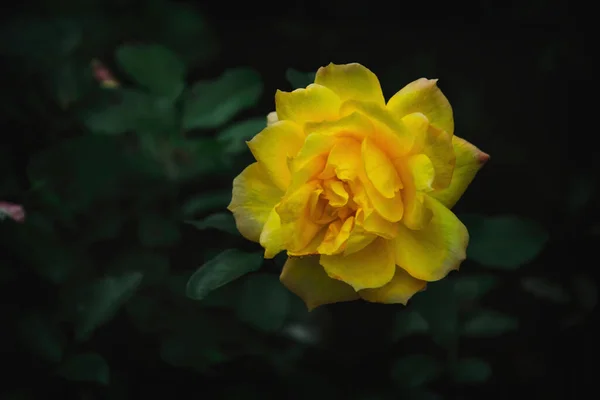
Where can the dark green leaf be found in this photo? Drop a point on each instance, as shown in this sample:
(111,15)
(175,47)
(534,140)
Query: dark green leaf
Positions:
(154,266)
(211,104)
(224,268)
(471,370)
(264,303)
(408,322)
(221,221)
(299,79)
(158,231)
(505,242)
(415,370)
(132,110)
(489,323)
(236,135)
(209,201)
(544,289)
(154,67)
(100,302)
(438,305)
(87,367)
(42,337)
(81,171)
(473,287)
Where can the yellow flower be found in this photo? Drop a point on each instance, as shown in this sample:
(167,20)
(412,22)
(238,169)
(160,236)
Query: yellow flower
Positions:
(357,191)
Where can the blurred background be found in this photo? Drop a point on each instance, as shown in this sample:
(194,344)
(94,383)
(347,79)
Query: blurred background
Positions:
(124,125)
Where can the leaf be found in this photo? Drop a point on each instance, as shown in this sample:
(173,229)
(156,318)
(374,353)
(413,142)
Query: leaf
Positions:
(544,289)
(235,136)
(220,221)
(504,242)
(99,302)
(415,370)
(132,110)
(471,370)
(86,367)
(42,338)
(157,231)
(154,67)
(489,324)
(438,305)
(264,303)
(228,266)
(211,104)
(205,202)
(81,171)
(299,79)
(473,287)
(154,266)
(408,322)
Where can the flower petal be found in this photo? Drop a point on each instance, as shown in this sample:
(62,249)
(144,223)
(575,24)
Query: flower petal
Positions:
(371,267)
(254,196)
(305,277)
(293,210)
(469,160)
(273,235)
(389,132)
(272,147)
(425,97)
(380,170)
(432,252)
(315,103)
(351,82)
(399,290)
(436,144)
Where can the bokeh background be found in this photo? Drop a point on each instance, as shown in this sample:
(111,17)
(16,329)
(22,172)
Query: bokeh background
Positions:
(123,126)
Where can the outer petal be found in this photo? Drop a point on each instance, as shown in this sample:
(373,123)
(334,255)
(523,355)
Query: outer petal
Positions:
(351,82)
(371,267)
(273,236)
(399,290)
(469,160)
(315,103)
(425,97)
(254,196)
(272,147)
(305,277)
(432,252)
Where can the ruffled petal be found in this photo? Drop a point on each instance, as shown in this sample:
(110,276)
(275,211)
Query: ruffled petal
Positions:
(469,160)
(315,103)
(253,197)
(425,97)
(397,291)
(273,146)
(368,268)
(351,82)
(306,278)
(431,253)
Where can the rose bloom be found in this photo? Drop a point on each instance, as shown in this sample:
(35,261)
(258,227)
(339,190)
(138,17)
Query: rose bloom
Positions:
(357,191)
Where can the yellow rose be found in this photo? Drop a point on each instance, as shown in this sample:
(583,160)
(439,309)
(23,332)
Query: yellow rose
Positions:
(357,191)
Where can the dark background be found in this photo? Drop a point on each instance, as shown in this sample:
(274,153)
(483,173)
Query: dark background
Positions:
(124,202)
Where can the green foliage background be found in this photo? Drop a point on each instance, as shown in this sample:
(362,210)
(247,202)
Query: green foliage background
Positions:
(128,278)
